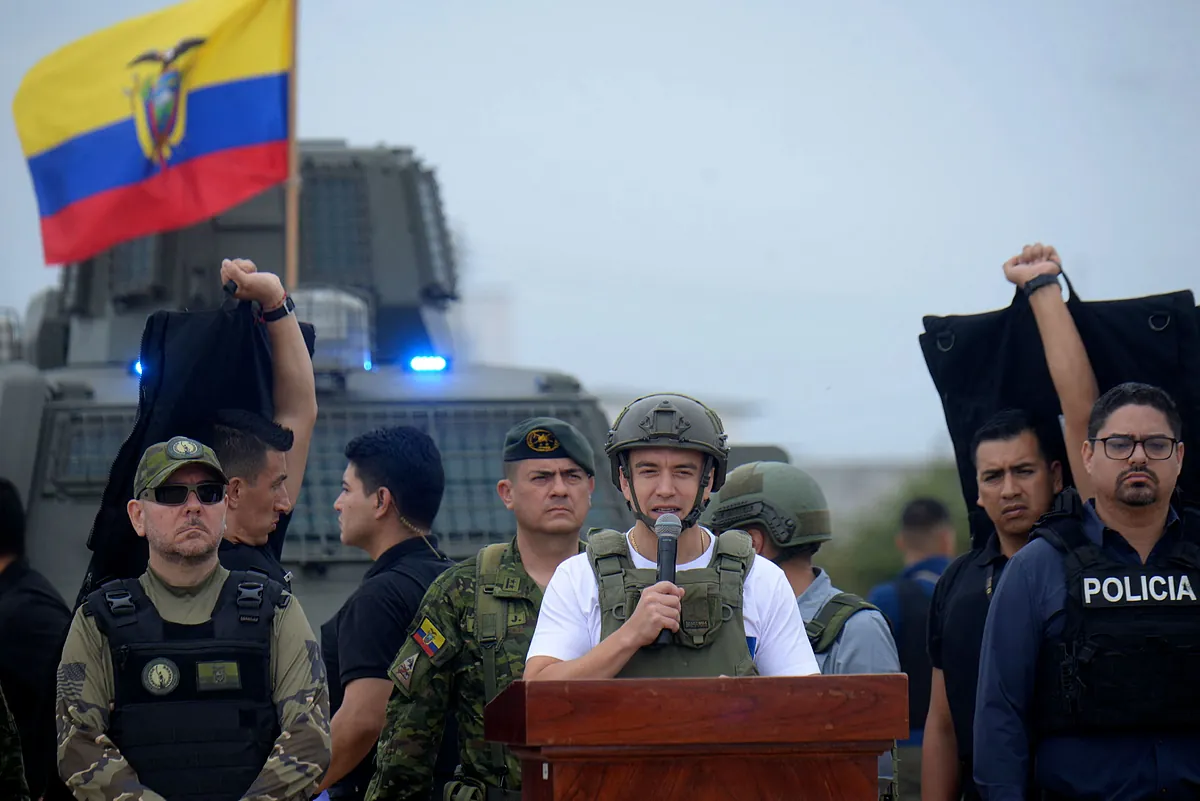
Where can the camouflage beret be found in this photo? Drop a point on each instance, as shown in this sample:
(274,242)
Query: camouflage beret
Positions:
(548,438)
(164,458)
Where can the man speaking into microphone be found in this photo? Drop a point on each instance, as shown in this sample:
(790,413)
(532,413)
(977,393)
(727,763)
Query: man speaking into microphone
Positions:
(667,598)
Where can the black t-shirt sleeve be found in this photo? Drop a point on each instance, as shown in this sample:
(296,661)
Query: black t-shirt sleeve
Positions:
(937,608)
(372,629)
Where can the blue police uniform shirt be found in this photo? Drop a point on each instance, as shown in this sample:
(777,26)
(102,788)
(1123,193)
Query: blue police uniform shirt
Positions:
(864,646)
(1026,610)
(926,573)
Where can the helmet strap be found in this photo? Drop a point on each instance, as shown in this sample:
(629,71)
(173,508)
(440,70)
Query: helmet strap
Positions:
(634,506)
(698,503)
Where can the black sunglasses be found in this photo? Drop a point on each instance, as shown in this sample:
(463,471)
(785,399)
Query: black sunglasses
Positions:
(208,493)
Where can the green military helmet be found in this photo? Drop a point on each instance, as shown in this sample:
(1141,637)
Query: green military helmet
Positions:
(779,498)
(669,420)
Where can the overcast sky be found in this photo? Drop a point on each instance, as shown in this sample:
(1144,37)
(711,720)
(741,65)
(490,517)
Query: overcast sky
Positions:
(756,200)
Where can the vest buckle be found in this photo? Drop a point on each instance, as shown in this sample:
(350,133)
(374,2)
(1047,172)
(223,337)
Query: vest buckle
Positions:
(120,602)
(250,594)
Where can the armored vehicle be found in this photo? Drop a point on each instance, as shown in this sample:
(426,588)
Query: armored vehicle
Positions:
(377,278)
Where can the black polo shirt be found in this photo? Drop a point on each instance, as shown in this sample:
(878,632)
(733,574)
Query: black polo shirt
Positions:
(957,615)
(263,558)
(34,620)
(362,639)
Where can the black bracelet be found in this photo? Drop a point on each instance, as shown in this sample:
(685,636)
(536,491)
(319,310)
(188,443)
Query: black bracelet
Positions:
(283,311)
(1037,282)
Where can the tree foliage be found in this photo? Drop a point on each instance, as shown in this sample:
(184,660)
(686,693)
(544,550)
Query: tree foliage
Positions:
(863,551)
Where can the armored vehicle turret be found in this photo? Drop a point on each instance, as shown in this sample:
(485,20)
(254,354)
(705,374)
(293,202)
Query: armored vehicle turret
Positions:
(377,277)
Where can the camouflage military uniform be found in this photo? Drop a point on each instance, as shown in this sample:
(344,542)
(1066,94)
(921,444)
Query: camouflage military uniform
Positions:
(456,677)
(12,769)
(90,762)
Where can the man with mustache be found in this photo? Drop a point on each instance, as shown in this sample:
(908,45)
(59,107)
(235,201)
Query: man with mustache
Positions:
(1087,683)
(190,682)
(1018,472)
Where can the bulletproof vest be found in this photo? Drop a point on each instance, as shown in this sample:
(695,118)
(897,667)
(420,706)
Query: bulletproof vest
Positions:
(192,363)
(193,709)
(912,648)
(983,363)
(1129,654)
(826,626)
(711,640)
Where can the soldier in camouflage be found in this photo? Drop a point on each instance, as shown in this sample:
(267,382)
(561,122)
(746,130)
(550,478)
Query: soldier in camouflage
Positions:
(12,768)
(474,626)
(190,682)
(784,511)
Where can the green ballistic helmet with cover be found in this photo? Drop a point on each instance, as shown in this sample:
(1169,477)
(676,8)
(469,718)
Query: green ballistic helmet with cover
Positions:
(669,420)
(779,498)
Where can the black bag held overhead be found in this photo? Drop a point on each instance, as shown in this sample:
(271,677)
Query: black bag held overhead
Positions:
(983,363)
(192,363)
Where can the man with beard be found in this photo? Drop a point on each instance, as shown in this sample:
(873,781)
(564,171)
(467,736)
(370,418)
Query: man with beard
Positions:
(476,621)
(190,682)
(1087,683)
(1018,476)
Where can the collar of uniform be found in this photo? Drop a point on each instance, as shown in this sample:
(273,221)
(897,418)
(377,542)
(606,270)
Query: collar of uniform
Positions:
(513,554)
(816,594)
(398,551)
(150,578)
(1094,527)
(528,587)
(15,571)
(991,553)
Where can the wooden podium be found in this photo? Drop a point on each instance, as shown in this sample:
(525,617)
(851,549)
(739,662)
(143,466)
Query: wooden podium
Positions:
(808,738)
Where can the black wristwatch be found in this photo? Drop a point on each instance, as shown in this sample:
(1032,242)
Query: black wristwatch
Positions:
(1036,283)
(289,306)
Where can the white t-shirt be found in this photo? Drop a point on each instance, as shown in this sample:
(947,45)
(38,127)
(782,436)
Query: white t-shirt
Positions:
(568,623)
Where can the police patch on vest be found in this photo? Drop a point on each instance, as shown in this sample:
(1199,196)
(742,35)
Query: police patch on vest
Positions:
(217,676)
(160,676)
(1152,589)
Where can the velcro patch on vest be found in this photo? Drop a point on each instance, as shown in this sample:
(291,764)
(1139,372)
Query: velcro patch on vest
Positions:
(1150,588)
(217,676)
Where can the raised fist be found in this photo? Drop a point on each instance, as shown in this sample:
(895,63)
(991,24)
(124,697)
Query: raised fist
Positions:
(266,288)
(1033,261)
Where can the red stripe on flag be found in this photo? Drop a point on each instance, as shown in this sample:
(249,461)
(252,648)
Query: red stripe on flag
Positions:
(176,198)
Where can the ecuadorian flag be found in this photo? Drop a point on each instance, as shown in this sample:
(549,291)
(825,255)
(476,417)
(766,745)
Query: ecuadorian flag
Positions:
(157,123)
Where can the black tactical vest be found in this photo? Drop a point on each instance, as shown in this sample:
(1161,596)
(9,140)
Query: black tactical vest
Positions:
(1128,657)
(193,710)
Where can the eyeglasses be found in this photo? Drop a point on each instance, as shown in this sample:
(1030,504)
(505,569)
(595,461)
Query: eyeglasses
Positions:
(1122,447)
(207,492)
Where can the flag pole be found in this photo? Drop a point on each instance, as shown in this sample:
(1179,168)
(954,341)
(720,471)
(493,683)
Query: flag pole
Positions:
(292,187)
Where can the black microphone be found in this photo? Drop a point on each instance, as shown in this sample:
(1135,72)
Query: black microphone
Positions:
(667,528)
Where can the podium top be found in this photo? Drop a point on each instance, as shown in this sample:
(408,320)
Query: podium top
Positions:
(801,709)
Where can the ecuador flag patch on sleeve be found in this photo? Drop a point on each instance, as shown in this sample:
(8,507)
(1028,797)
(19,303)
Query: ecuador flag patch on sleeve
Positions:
(428,637)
